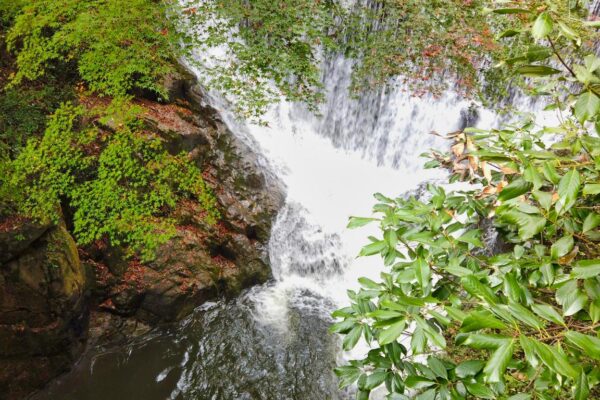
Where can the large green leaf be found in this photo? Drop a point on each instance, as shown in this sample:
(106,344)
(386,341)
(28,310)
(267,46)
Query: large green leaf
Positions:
(562,247)
(374,380)
(422,272)
(542,26)
(585,269)
(347,375)
(529,225)
(587,106)
(469,368)
(478,289)
(591,222)
(477,320)
(494,369)
(570,297)
(589,344)
(515,189)
(524,315)
(392,333)
(535,71)
(357,222)
(352,337)
(591,189)
(472,236)
(373,248)
(582,389)
(554,358)
(568,188)
(483,341)
(548,312)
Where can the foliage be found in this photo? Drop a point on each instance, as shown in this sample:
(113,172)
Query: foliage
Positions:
(262,49)
(120,184)
(256,51)
(454,317)
(116,46)
(24,110)
(430,44)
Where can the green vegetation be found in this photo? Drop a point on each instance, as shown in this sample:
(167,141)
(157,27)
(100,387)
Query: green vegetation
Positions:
(454,318)
(102,168)
(119,182)
(269,48)
(115,46)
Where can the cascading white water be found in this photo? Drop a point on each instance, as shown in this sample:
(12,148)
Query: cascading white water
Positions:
(332,164)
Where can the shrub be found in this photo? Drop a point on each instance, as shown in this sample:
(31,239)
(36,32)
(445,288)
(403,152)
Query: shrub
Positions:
(116,46)
(120,185)
(452,319)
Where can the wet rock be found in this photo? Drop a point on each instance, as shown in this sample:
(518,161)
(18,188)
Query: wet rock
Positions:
(202,261)
(43,313)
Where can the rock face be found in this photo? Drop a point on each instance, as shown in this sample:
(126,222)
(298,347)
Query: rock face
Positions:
(44,286)
(43,311)
(202,261)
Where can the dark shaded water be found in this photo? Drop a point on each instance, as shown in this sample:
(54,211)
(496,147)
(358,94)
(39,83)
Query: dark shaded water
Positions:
(221,352)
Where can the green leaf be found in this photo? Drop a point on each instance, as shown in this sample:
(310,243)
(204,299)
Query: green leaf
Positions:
(554,358)
(534,71)
(589,344)
(582,389)
(561,247)
(532,175)
(476,288)
(373,248)
(422,272)
(548,313)
(542,26)
(494,369)
(591,222)
(520,396)
(511,11)
(568,32)
(550,172)
(471,237)
(392,333)
(587,106)
(352,337)
(484,341)
(438,368)
(480,391)
(591,188)
(515,189)
(570,298)
(347,375)
(342,327)
(418,382)
(529,225)
(585,269)
(357,222)
(481,320)
(368,283)
(524,315)
(544,198)
(374,380)
(432,335)
(469,368)
(568,188)
(595,310)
